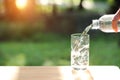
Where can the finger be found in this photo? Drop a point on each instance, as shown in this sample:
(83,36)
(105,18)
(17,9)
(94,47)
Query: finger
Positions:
(114,25)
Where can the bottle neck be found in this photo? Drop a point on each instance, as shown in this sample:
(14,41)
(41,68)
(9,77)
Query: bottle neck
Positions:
(95,24)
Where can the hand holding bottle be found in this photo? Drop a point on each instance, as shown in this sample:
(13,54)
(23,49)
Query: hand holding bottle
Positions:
(115,20)
(109,23)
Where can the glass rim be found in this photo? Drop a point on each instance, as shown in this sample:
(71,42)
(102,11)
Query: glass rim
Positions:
(79,34)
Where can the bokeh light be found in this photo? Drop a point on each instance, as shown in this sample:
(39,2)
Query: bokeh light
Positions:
(21,4)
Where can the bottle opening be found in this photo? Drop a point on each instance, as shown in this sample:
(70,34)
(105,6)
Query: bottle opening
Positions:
(95,24)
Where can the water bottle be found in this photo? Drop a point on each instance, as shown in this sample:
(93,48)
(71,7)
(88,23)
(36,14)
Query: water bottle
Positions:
(104,24)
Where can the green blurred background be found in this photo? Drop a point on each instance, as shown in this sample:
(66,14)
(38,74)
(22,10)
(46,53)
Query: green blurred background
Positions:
(38,33)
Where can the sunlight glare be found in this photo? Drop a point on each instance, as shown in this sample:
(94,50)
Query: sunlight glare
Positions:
(8,73)
(66,73)
(21,4)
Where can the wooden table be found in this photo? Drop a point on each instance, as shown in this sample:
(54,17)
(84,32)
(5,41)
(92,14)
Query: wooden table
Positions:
(58,73)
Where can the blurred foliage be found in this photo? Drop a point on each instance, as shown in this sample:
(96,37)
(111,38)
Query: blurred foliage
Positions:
(100,0)
(37,53)
(104,49)
(114,6)
(111,2)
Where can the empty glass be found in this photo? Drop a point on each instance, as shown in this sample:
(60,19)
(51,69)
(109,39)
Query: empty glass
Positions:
(79,51)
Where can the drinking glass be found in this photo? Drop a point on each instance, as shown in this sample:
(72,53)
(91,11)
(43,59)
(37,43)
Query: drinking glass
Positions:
(80,51)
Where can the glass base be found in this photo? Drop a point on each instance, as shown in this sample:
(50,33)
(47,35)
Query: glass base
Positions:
(80,68)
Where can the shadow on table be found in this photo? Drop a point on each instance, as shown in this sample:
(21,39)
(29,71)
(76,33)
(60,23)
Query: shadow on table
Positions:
(82,75)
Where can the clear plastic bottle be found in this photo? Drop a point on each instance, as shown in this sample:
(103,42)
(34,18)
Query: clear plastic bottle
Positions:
(104,23)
